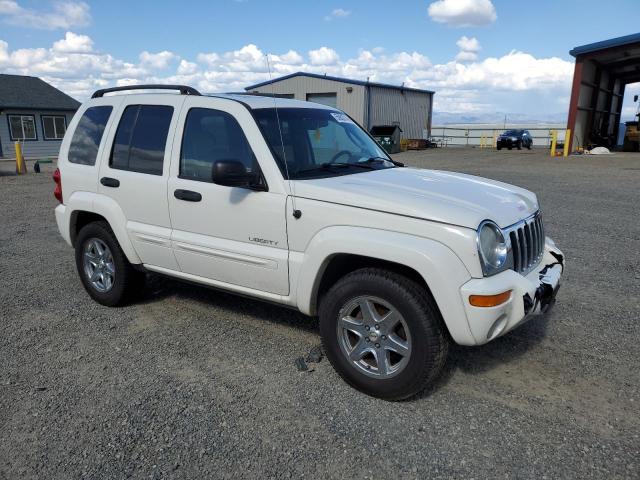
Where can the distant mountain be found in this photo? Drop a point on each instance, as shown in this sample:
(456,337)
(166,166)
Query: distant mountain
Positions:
(445,118)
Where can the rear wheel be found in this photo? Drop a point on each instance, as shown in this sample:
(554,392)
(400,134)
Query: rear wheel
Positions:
(383,333)
(104,270)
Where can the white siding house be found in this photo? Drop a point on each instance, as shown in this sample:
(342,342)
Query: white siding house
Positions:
(34,113)
(369,103)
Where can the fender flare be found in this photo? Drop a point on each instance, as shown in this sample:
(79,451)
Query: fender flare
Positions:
(437,264)
(113,214)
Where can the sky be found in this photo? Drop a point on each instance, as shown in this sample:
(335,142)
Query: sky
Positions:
(484,58)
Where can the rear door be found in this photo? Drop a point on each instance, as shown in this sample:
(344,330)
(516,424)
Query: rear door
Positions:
(135,169)
(231,235)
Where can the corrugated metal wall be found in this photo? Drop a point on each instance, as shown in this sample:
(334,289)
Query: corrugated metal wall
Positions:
(411,110)
(352,103)
(31,148)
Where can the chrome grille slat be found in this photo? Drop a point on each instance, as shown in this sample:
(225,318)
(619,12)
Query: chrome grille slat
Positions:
(526,240)
(515,248)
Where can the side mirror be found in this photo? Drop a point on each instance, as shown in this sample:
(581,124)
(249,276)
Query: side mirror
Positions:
(635,98)
(232,173)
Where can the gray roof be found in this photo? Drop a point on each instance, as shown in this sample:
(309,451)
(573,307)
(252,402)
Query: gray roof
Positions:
(32,93)
(339,79)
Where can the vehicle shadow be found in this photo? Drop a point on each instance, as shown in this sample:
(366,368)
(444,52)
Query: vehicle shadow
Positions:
(499,352)
(159,287)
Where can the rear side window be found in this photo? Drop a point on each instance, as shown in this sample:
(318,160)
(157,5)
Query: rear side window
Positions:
(141,139)
(209,136)
(86,138)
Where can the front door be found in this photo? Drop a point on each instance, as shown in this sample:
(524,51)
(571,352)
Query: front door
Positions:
(135,170)
(233,236)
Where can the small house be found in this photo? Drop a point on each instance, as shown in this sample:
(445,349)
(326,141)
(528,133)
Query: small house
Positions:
(34,113)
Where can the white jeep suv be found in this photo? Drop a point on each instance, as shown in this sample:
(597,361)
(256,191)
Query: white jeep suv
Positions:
(294,203)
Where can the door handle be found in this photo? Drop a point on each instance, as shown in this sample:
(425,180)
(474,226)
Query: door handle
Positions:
(110,182)
(187,195)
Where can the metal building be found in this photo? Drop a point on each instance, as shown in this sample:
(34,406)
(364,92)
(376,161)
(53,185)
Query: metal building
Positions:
(602,71)
(369,103)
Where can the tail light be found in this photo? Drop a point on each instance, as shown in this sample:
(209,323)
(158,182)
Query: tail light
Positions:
(57,192)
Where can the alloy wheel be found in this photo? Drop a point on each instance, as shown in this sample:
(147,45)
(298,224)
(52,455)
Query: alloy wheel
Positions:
(98,265)
(374,336)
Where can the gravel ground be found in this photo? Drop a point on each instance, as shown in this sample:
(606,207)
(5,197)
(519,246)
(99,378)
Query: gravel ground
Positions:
(193,383)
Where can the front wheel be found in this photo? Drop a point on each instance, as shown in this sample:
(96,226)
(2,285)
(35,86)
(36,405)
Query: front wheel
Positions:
(383,333)
(106,274)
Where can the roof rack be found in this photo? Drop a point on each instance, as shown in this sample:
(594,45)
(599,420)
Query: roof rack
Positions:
(184,89)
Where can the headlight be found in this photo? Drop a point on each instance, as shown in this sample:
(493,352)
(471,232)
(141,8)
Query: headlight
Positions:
(493,248)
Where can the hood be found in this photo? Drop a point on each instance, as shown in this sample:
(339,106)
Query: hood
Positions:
(440,196)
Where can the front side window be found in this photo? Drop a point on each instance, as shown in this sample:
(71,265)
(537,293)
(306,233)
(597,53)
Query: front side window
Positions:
(22,127)
(311,142)
(88,134)
(54,126)
(209,136)
(141,139)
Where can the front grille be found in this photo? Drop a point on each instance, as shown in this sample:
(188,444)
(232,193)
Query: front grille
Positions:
(527,243)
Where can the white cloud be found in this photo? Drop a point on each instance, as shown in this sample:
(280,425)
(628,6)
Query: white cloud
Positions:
(464,84)
(157,61)
(323,56)
(65,15)
(466,56)
(467,44)
(73,43)
(338,13)
(468,49)
(187,68)
(463,13)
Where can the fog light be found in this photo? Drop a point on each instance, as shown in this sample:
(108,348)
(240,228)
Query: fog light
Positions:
(489,300)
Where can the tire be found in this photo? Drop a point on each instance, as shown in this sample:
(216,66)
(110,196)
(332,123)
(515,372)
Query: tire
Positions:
(125,281)
(509,147)
(519,145)
(529,146)
(499,147)
(419,328)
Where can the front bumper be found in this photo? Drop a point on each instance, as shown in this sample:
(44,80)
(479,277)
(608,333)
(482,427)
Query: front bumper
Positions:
(531,295)
(506,142)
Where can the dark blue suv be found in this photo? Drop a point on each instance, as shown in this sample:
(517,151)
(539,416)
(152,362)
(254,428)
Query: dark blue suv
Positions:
(515,138)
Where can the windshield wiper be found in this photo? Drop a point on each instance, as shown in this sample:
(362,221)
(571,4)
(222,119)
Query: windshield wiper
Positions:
(329,165)
(380,159)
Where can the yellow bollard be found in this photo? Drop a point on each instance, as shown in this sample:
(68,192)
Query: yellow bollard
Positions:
(567,142)
(554,139)
(495,140)
(482,141)
(21,167)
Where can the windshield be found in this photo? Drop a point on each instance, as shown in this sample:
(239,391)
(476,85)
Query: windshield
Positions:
(319,142)
(513,132)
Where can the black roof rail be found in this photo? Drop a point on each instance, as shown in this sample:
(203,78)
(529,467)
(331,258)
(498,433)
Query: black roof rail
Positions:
(184,89)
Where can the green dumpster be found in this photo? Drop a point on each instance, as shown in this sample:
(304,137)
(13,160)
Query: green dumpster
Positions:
(388,136)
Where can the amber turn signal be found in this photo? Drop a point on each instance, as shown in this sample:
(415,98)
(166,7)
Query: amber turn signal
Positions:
(489,300)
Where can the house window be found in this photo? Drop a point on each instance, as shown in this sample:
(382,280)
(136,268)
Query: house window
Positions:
(54,126)
(22,127)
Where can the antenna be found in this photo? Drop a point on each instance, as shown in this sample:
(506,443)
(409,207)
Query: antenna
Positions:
(296,213)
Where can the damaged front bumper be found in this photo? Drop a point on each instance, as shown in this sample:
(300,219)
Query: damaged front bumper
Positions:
(531,295)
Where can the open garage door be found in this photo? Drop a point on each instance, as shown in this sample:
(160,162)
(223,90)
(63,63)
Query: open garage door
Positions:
(602,72)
